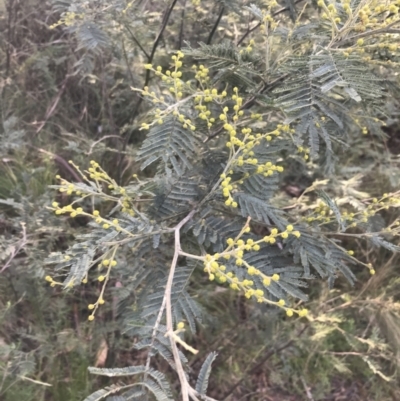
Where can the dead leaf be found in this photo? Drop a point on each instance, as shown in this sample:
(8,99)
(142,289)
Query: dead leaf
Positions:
(102,353)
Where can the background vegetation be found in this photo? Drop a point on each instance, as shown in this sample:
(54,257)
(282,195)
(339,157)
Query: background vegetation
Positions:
(66,94)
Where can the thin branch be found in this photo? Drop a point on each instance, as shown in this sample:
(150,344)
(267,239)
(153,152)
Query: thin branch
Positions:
(182,24)
(360,235)
(127,62)
(61,161)
(190,256)
(307,389)
(214,29)
(35,381)
(10,6)
(150,57)
(385,29)
(137,42)
(101,139)
(166,304)
(52,108)
(265,87)
(250,30)
(168,307)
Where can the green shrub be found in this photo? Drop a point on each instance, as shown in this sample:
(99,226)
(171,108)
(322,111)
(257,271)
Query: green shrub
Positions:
(260,163)
(228,124)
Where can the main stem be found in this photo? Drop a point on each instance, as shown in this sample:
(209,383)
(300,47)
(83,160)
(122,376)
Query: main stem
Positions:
(168,306)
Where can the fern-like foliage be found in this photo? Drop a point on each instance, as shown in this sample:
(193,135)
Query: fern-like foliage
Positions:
(204,374)
(322,255)
(185,306)
(91,37)
(260,210)
(315,98)
(159,386)
(175,195)
(230,65)
(333,206)
(171,144)
(214,230)
(229,131)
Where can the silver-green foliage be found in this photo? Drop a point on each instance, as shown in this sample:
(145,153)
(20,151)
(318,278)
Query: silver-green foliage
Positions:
(305,89)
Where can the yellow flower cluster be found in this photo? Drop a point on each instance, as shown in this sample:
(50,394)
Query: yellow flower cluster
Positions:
(68,19)
(175,86)
(256,116)
(324,215)
(53,283)
(103,278)
(248,141)
(249,47)
(268,19)
(202,75)
(242,144)
(368,265)
(330,12)
(128,6)
(101,179)
(236,249)
(369,18)
(95,215)
(205,97)
(97,179)
(304,151)
(227,187)
(371,269)
(372,15)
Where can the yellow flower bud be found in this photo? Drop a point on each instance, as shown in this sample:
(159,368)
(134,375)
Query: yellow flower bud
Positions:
(267,281)
(275,277)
